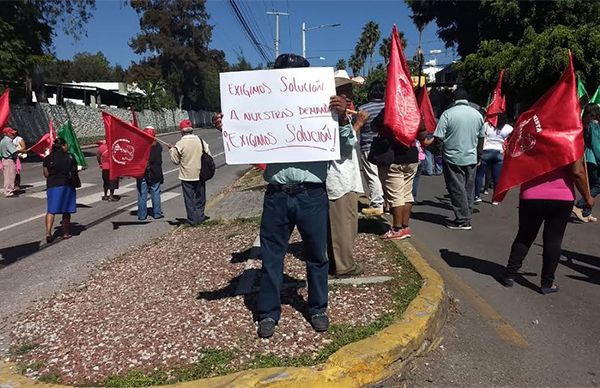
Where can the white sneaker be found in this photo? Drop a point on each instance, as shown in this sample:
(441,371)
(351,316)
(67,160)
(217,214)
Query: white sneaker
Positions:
(591,218)
(495,203)
(579,214)
(477,200)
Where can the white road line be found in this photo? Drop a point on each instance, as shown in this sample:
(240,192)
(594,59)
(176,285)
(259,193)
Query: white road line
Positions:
(97,197)
(164,197)
(22,222)
(42,194)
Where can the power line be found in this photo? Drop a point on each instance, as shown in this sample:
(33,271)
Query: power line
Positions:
(249,33)
(253,24)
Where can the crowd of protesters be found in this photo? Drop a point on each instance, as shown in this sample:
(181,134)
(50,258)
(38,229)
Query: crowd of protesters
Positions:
(321,198)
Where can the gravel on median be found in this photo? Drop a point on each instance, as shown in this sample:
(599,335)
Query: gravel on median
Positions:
(162,306)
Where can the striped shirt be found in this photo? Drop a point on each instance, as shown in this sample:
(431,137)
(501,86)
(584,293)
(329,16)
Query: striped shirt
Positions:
(367,133)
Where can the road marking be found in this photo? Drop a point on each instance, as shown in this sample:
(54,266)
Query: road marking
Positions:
(42,194)
(164,197)
(502,327)
(22,222)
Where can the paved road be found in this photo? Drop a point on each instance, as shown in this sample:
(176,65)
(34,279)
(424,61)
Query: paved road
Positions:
(30,269)
(507,337)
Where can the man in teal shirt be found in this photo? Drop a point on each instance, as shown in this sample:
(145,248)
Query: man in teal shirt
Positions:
(460,130)
(295,197)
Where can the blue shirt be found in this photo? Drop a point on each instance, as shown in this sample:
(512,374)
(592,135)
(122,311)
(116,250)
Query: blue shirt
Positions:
(307,172)
(459,129)
(592,143)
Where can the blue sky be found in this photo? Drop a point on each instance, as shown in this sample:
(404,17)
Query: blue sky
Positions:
(114,24)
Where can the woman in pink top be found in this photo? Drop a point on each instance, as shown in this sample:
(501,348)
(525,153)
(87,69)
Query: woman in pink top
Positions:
(547,199)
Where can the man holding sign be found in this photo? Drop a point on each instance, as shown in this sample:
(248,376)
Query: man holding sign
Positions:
(295,195)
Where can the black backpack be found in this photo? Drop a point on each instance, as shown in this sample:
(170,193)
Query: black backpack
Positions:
(207,166)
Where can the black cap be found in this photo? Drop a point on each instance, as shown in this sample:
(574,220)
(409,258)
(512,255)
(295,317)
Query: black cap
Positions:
(460,94)
(285,61)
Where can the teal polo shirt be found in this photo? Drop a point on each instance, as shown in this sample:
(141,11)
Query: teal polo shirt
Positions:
(459,129)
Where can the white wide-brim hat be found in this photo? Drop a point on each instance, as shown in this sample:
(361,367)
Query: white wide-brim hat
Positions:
(342,78)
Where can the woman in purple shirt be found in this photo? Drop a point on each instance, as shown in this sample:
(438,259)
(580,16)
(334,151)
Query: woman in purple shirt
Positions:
(547,199)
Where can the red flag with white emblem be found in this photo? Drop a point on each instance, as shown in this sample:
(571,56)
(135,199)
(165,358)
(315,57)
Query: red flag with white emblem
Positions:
(546,137)
(401,114)
(128,147)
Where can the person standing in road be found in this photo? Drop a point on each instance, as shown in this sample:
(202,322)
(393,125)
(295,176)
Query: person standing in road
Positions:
(21,146)
(369,170)
(547,199)
(151,181)
(591,116)
(493,154)
(108,185)
(60,169)
(8,153)
(460,130)
(187,153)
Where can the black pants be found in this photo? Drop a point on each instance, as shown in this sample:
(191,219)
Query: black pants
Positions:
(194,198)
(532,213)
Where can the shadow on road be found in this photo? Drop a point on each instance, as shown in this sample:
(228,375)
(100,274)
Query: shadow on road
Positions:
(118,224)
(430,217)
(591,275)
(484,267)
(11,255)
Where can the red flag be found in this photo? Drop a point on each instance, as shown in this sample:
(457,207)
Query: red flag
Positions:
(134,121)
(401,113)
(426,110)
(4,108)
(128,146)
(546,137)
(497,103)
(44,145)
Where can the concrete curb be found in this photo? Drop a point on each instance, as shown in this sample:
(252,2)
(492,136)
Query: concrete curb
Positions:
(367,361)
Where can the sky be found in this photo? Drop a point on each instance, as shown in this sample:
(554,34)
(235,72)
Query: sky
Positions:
(114,24)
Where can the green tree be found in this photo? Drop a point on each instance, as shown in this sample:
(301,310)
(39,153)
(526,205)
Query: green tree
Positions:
(534,64)
(370,37)
(467,24)
(341,64)
(355,64)
(91,67)
(154,96)
(27,28)
(241,65)
(175,34)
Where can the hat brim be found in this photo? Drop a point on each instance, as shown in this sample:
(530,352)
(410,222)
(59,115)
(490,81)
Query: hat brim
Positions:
(345,81)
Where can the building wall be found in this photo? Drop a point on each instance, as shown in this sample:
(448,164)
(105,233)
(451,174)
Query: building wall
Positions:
(32,121)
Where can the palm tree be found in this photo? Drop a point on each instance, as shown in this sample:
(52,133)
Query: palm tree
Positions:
(385,46)
(341,64)
(368,40)
(355,64)
(420,22)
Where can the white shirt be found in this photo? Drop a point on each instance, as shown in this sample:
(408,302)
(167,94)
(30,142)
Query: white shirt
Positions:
(494,138)
(343,176)
(17,142)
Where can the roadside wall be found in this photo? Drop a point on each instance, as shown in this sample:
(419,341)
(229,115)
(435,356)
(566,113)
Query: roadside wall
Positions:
(32,120)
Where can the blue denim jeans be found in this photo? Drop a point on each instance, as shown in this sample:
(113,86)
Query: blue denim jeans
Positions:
(143,188)
(594,180)
(432,165)
(415,187)
(489,159)
(308,211)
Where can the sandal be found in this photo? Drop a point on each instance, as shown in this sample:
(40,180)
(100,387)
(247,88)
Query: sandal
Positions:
(49,239)
(550,290)
(67,236)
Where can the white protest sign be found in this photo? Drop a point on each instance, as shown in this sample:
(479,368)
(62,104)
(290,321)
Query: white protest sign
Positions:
(274,116)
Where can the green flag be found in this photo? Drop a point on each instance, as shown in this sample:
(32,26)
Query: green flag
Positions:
(67,133)
(580,89)
(596,97)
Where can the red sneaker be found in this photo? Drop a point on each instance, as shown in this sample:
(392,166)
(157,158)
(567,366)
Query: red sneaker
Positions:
(397,234)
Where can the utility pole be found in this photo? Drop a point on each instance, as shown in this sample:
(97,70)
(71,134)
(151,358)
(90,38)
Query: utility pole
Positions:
(277,13)
(304,29)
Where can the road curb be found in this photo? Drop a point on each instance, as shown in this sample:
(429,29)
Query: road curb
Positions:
(367,361)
